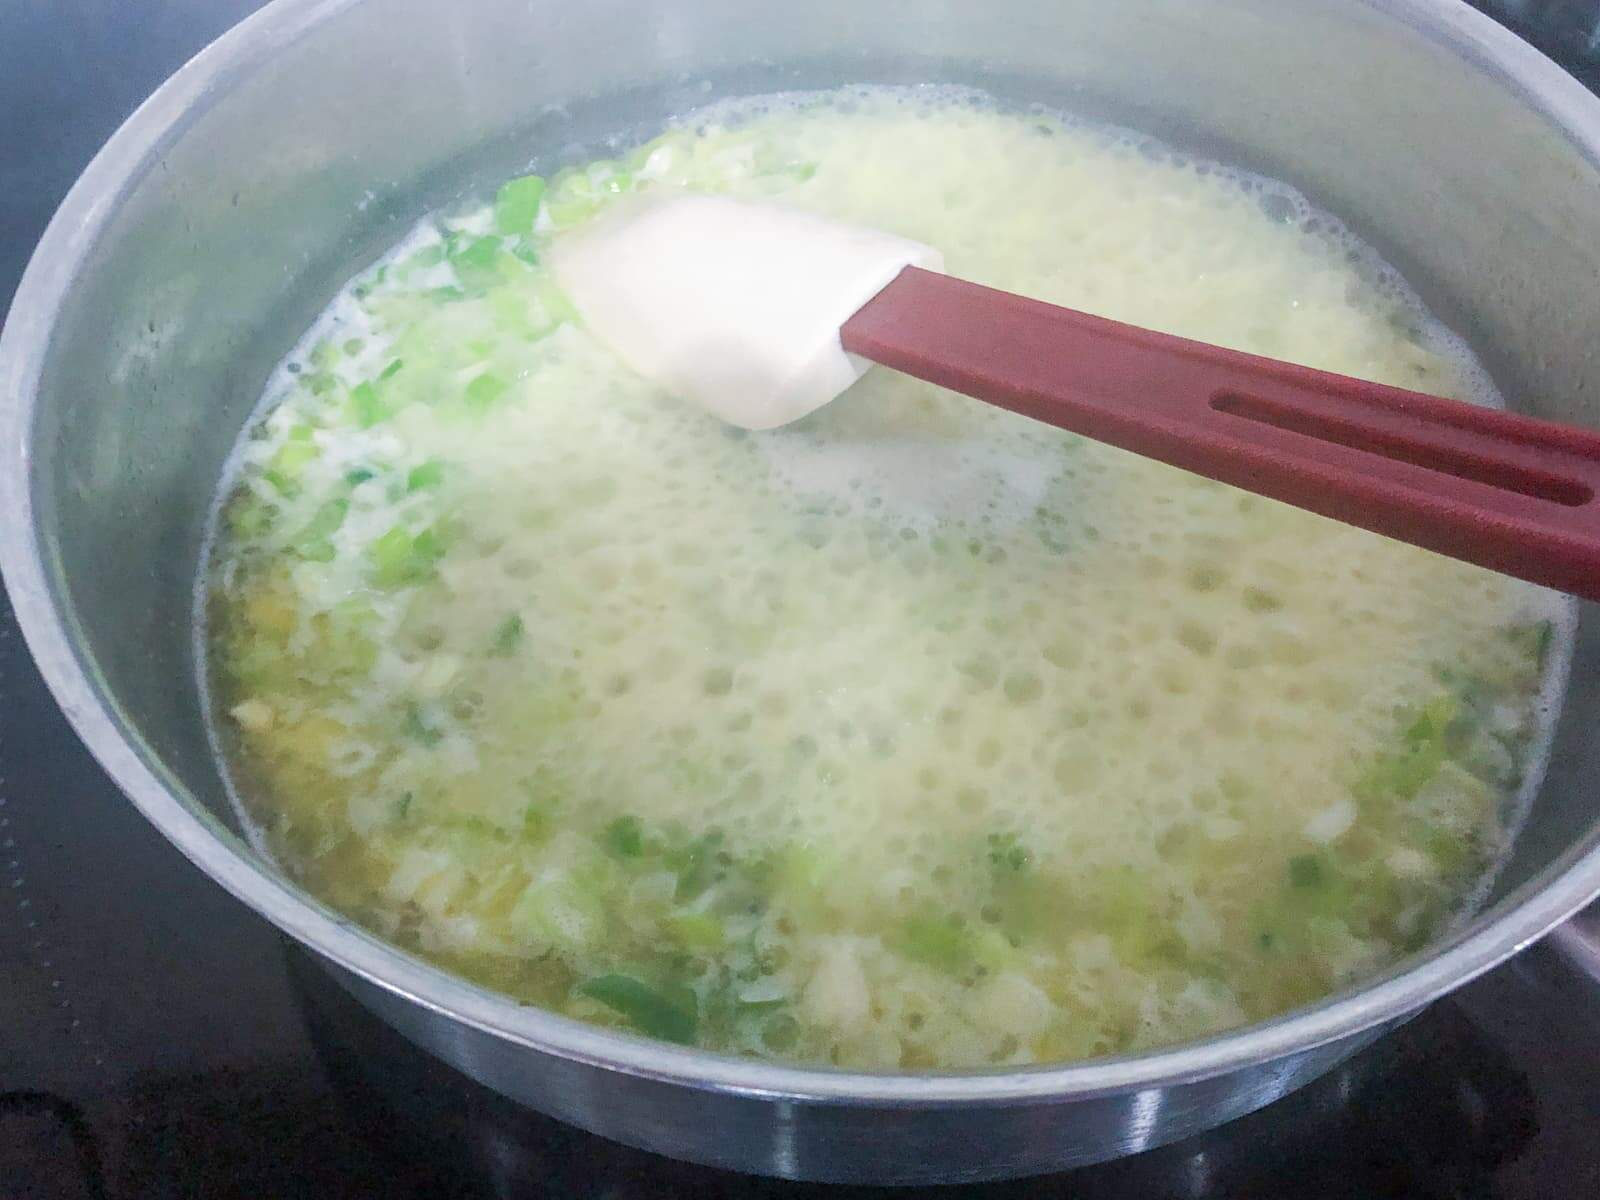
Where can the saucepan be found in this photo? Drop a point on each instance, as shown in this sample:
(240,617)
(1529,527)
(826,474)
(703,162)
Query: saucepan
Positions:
(229,208)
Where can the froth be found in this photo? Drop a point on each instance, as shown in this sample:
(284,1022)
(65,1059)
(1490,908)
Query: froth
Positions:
(902,628)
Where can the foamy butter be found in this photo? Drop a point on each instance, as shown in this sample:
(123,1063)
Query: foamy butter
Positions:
(914,733)
(732,305)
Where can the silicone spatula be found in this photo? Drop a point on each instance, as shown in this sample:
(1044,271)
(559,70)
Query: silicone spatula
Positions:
(763,314)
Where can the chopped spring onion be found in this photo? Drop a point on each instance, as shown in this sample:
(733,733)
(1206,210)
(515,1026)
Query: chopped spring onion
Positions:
(516,204)
(670,1014)
(484,390)
(425,475)
(507,637)
(624,837)
(398,558)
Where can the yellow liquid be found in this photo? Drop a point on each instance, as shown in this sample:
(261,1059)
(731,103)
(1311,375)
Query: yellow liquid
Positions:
(913,735)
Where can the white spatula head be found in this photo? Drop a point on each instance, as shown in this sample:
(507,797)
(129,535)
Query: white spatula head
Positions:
(732,305)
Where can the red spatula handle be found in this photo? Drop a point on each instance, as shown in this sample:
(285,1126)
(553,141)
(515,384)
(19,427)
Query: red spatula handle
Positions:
(1508,492)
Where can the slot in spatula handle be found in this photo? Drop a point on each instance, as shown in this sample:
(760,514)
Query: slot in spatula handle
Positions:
(1512,493)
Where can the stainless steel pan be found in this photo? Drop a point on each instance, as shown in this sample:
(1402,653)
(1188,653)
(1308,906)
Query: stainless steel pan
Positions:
(229,208)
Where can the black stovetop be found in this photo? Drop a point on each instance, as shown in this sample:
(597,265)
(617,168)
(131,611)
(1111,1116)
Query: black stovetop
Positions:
(157,1039)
